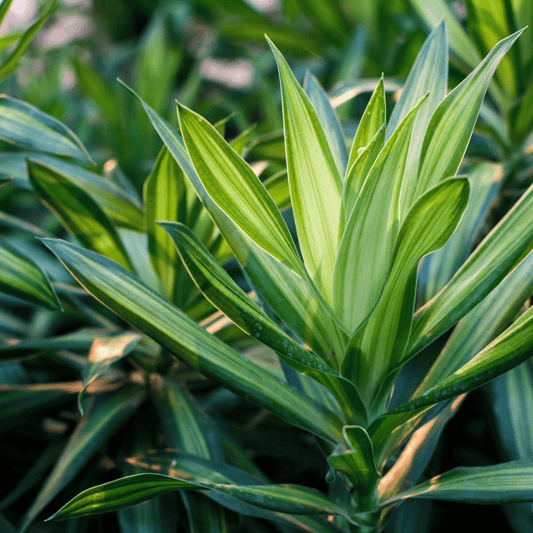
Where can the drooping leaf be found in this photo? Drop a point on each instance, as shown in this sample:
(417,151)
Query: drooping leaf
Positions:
(329,120)
(144,309)
(140,487)
(79,213)
(452,123)
(503,483)
(21,276)
(361,266)
(376,350)
(224,293)
(27,126)
(107,415)
(104,352)
(314,180)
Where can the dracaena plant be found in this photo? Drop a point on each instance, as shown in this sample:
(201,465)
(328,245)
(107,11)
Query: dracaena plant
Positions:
(364,219)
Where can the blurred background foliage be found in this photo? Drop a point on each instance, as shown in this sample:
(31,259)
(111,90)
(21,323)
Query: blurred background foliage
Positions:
(212,55)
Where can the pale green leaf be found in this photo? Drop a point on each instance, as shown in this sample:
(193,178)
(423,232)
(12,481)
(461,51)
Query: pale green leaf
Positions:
(277,186)
(361,266)
(376,349)
(372,120)
(329,120)
(314,180)
(140,306)
(235,188)
(452,123)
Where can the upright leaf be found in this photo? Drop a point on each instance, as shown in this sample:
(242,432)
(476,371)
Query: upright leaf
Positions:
(361,266)
(164,199)
(329,120)
(314,180)
(377,347)
(452,123)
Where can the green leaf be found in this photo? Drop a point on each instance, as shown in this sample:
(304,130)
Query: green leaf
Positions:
(314,180)
(452,123)
(371,122)
(21,276)
(10,64)
(329,121)
(361,267)
(291,296)
(433,12)
(277,186)
(141,487)
(499,253)
(218,287)
(4,9)
(27,126)
(140,306)
(358,465)
(358,172)
(483,324)
(502,483)
(376,350)
(105,352)
(107,415)
(235,188)
(78,212)
(429,73)
(507,351)
(438,268)
(164,199)
(118,205)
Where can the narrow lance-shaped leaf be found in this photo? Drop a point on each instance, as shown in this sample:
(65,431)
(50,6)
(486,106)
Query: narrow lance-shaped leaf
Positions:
(499,253)
(225,294)
(507,351)
(104,352)
(314,180)
(361,265)
(79,213)
(372,120)
(235,188)
(289,294)
(503,483)
(108,413)
(144,309)
(452,123)
(27,126)
(141,487)
(428,74)
(164,199)
(358,172)
(10,64)
(329,120)
(21,276)
(378,346)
